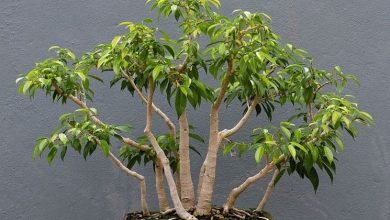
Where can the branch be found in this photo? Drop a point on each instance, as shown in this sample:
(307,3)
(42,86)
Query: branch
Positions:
(98,122)
(245,185)
(163,203)
(224,86)
(227,133)
(134,174)
(167,120)
(268,192)
(321,86)
(181,212)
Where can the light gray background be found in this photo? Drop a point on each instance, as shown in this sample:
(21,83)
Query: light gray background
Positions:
(351,33)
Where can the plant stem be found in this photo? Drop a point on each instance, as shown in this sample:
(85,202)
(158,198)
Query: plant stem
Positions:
(187,187)
(140,178)
(268,192)
(181,212)
(162,198)
(208,176)
(236,192)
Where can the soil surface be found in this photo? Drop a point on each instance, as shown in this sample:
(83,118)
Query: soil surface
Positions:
(217,214)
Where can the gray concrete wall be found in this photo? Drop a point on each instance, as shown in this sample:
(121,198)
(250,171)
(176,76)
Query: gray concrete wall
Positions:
(354,34)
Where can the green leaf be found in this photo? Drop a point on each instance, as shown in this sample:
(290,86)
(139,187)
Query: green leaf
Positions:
(216,3)
(42,145)
(39,147)
(81,75)
(228,148)
(180,103)
(299,146)
(123,128)
(196,137)
(313,177)
(335,118)
(222,48)
(259,153)
(63,138)
(278,177)
(314,152)
(156,72)
(267,56)
(339,143)
(51,155)
(328,153)
(115,41)
(63,152)
(366,116)
(105,147)
(195,150)
(147,20)
(286,132)
(53,48)
(26,86)
(19,79)
(292,151)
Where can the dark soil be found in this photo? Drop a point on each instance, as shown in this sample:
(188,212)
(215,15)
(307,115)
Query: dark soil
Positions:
(217,214)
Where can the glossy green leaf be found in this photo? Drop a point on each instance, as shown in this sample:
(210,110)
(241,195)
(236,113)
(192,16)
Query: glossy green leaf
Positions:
(105,147)
(180,103)
(328,153)
(292,150)
(63,138)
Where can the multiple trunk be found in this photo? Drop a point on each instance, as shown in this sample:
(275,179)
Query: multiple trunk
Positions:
(180,211)
(182,192)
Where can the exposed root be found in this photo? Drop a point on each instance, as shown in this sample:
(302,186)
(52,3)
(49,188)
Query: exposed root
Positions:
(169,211)
(242,212)
(216,214)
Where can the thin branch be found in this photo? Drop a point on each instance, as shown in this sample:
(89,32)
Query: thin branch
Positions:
(309,111)
(321,86)
(162,200)
(236,192)
(224,87)
(134,174)
(229,132)
(268,192)
(98,122)
(171,126)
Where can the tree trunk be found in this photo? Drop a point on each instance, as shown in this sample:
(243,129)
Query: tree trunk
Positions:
(208,176)
(187,187)
(268,192)
(162,199)
(210,164)
(180,211)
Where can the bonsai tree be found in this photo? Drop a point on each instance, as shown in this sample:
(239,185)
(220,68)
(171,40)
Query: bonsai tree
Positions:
(249,65)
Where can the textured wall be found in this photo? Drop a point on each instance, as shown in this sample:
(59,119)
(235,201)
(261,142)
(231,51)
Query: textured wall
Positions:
(354,34)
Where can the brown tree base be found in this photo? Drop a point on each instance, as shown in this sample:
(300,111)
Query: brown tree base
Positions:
(217,214)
